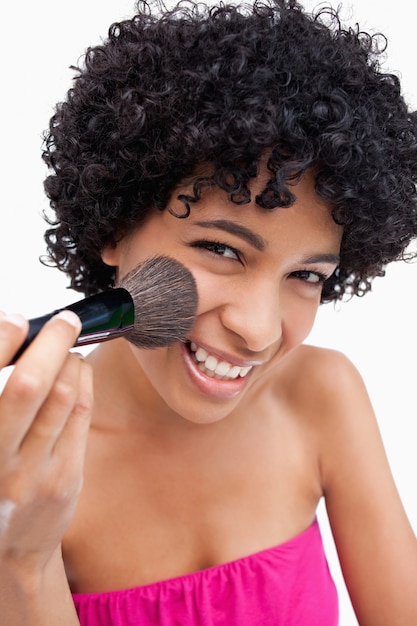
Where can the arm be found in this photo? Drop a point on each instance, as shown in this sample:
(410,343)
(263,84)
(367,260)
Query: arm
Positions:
(44,420)
(37,598)
(375,542)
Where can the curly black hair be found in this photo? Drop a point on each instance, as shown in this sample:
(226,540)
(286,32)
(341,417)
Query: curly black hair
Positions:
(171,90)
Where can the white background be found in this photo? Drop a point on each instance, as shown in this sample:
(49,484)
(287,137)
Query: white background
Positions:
(39,41)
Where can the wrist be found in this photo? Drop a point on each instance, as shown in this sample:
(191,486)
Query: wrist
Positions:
(36,596)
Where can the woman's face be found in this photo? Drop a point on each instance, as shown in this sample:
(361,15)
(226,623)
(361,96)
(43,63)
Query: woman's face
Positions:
(259,276)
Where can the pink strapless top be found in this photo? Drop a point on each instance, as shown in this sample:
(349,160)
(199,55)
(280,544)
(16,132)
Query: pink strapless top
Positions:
(289,585)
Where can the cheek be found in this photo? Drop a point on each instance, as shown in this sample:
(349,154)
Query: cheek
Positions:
(211,290)
(298,320)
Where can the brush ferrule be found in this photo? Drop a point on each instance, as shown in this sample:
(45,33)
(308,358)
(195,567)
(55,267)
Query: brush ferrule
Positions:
(104,316)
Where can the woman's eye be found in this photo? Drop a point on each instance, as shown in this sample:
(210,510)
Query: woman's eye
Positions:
(218,248)
(314,278)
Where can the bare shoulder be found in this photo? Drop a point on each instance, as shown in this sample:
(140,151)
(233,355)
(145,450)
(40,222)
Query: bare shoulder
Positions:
(329,398)
(375,542)
(327,395)
(320,362)
(321,381)
(332,398)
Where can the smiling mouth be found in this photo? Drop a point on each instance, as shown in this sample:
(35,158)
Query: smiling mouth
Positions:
(214,367)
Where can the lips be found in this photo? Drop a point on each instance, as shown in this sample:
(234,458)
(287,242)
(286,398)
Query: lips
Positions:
(214,386)
(215,367)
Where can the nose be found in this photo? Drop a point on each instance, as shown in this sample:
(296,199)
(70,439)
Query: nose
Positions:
(255,315)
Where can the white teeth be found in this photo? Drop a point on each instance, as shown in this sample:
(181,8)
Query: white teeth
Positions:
(234,371)
(211,363)
(201,355)
(222,368)
(215,368)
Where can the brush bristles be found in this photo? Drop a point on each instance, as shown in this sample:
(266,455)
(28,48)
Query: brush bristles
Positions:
(165,299)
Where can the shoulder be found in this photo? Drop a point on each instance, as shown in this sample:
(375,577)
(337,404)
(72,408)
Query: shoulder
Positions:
(319,379)
(374,540)
(330,397)
(328,400)
(322,361)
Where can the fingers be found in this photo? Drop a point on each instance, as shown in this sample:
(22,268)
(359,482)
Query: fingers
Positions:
(51,417)
(45,410)
(13,330)
(56,443)
(35,375)
(72,442)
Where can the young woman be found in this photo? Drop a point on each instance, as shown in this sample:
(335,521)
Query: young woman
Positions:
(265,150)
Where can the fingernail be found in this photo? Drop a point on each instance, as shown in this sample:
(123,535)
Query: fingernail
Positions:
(16,319)
(70,317)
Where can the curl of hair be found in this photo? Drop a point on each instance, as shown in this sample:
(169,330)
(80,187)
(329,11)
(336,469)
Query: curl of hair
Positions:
(169,91)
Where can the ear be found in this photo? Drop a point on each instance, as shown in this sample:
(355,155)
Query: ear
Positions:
(110,255)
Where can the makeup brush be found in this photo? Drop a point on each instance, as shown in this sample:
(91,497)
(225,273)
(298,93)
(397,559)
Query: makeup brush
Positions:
(154,305)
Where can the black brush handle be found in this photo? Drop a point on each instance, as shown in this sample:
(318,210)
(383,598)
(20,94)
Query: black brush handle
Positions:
(103,316)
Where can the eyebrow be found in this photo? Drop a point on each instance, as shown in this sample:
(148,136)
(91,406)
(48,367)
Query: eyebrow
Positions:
(322,258)
(256,241)
(259,243)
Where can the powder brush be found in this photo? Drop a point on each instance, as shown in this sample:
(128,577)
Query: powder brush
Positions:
(154,305)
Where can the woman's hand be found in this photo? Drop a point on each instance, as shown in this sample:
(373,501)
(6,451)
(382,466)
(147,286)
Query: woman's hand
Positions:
(45,410)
